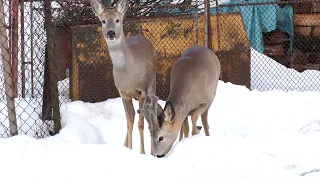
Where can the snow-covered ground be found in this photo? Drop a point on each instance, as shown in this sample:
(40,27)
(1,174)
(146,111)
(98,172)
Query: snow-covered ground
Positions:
(268,74)
(268,135)
(254,135)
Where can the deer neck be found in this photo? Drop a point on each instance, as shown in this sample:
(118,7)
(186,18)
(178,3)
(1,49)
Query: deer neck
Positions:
(119,53)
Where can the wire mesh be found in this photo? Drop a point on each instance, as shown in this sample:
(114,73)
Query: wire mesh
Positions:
(81,61)
(171,29)
(21,90)
(283,41)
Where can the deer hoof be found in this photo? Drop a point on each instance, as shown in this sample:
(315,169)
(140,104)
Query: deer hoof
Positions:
(199,127)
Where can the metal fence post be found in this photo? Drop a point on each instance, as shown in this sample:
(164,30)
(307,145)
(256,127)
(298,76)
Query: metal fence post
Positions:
(7,74)
(14,50)
(52,66)
(207,21)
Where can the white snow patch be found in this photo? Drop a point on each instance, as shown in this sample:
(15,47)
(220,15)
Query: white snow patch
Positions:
(254,135)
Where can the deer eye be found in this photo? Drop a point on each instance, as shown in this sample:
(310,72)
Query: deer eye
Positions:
(160,138)
(103,21)
(117,20)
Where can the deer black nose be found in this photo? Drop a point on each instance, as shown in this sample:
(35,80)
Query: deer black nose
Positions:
(111,34)
(161,156)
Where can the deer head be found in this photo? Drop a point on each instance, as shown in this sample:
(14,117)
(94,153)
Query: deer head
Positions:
(164,130)
(111,19)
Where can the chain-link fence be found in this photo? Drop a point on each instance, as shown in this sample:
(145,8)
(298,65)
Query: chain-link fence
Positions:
(22,66)
(170,28)
(54,52)
(275,44)
(66,57)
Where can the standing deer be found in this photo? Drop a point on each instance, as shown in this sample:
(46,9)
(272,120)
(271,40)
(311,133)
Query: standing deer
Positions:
(193,84)
(134,64)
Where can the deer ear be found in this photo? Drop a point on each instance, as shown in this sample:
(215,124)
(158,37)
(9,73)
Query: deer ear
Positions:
(122,6)
(159,115)
(168,112)
(97,6)
(159,111)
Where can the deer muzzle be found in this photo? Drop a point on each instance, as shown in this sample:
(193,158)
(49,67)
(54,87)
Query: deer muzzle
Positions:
(111,35)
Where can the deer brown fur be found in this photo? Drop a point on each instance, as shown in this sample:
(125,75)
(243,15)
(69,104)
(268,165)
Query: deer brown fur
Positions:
(193,83)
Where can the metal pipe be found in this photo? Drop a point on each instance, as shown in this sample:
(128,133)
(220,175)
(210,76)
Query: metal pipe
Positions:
(218,33)
(10,29)
(135,7)
(14,36)
(259,3)
(197,23)
(52,66)
(5,54)
(207,27)
(31,48)
(218,24)
(205,23)
(23,75)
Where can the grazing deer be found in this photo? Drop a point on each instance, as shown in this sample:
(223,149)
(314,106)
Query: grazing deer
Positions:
(134,64)
(193,84)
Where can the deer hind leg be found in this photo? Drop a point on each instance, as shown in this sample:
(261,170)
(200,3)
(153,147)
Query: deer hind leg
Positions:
(141,126)
(194,117)
(129,111)
(204,119)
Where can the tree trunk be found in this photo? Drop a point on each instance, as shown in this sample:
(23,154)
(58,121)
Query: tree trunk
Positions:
(7,73)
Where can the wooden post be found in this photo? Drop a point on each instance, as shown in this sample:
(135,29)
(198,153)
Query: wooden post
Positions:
(5,54)
(52,66)
(14,36)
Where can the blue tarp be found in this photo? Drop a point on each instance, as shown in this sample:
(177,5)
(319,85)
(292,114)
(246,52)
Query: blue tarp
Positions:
(257,19)
(260,19)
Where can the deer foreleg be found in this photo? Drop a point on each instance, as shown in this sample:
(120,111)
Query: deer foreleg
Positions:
(181,133)
(186,127)
(141,126)
(129,111)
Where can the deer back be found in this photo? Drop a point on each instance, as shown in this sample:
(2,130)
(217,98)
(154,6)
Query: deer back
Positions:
(194,78)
